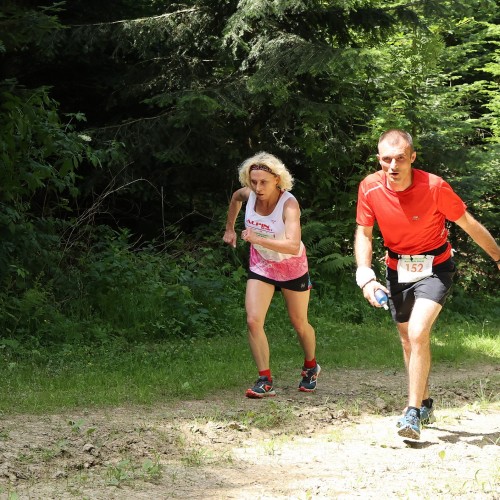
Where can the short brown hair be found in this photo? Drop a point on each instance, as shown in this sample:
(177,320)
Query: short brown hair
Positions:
(394,135)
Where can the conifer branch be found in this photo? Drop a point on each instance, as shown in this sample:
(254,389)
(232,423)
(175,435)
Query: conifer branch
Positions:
(138,20)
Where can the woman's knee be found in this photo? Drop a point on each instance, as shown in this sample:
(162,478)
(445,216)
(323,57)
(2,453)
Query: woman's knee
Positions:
(302,327)
(254,323)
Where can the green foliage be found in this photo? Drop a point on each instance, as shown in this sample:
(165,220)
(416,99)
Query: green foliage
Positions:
(161,101)
(28,29)
(39,157)
(36,149)
(114,290)
(327,256)
(148,295)
(479,186)
(115,371)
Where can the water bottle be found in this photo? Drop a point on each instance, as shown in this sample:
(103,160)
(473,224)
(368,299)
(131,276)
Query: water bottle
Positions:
(382,298)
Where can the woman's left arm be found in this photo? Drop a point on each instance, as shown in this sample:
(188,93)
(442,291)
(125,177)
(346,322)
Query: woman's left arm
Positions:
(293,234)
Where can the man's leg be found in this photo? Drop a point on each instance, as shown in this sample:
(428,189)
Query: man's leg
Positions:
(406,345)
(417,305)
(418,352)
(423,316)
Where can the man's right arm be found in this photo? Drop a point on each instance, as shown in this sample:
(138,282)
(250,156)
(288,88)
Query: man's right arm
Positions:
(365,276)
(363,246)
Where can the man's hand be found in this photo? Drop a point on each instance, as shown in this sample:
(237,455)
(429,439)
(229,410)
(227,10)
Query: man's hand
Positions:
(369,292)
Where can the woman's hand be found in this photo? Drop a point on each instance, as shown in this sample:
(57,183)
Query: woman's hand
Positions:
(230,237)
(249,236)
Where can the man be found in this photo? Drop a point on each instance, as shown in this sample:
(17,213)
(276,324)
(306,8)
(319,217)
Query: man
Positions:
(410,207)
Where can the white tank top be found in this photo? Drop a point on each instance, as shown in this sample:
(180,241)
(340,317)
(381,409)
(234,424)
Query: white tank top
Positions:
(269,263)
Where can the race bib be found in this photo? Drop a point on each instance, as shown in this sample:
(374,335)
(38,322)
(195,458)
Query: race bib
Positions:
(413,268)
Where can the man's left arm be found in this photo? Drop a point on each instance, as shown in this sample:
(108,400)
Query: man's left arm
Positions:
(480,235)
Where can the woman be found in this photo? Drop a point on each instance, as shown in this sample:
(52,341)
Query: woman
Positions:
(277,262)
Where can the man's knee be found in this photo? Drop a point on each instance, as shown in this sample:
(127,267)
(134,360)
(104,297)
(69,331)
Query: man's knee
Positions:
(419,336)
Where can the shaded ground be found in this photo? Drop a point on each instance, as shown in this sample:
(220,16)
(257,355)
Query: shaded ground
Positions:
(338,443)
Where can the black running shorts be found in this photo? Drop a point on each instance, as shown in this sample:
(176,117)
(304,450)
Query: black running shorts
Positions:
(301,284)
(435,287)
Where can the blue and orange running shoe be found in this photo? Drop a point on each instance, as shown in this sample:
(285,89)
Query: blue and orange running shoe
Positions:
(427,416)
(309,379)
(263,388)
(410,425)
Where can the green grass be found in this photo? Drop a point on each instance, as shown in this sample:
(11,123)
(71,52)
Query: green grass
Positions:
(117,373)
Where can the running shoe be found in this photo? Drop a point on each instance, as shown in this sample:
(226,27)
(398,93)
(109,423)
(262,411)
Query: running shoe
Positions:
(309,379)
(263,388)
(410,427)
(427,416)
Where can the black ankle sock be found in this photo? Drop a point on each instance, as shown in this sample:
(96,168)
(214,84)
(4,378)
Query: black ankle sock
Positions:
(413,408)
(427,403)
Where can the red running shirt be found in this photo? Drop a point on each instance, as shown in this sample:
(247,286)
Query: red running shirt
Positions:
(411,221)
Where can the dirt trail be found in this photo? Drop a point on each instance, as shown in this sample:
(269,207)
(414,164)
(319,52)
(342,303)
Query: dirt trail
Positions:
(338,443)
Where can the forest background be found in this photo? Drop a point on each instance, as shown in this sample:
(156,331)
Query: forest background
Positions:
(122,125)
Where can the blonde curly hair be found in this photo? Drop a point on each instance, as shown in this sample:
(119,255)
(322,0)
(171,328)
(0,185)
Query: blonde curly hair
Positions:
(270,161)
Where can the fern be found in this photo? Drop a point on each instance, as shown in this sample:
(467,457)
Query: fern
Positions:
(335,262)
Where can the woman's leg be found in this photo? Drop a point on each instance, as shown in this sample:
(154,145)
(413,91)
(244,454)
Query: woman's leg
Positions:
(257,300)
(297,304)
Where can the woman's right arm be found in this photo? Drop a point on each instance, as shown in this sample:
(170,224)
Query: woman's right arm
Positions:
(239,196)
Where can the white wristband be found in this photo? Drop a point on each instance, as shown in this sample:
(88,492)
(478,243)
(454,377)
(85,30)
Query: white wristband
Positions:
(364,275)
